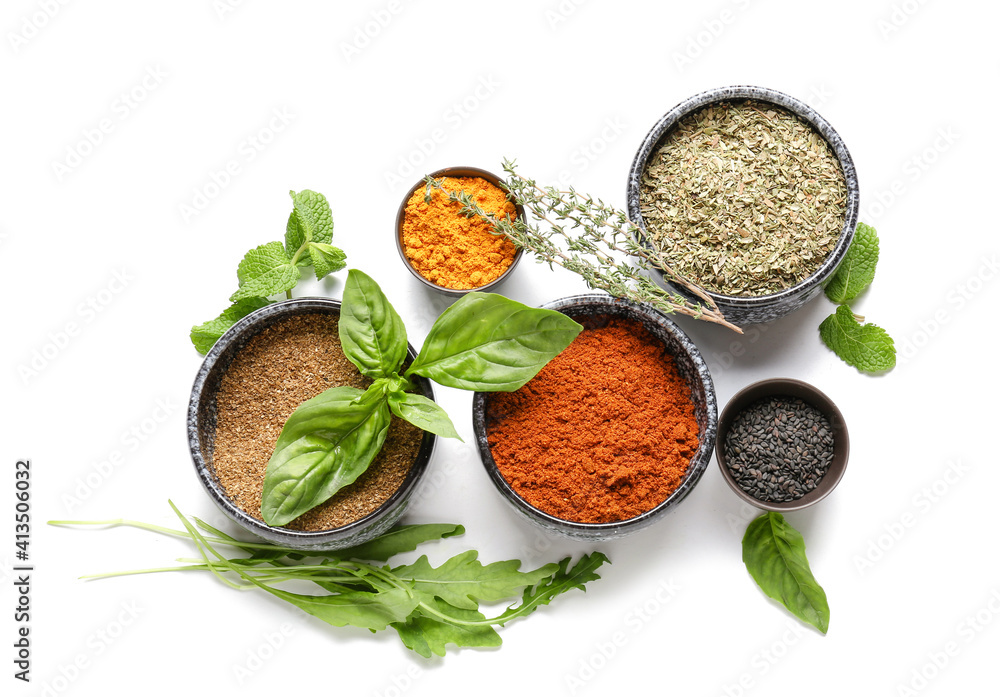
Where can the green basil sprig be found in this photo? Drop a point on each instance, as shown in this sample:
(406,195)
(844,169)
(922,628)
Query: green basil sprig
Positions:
(483,342)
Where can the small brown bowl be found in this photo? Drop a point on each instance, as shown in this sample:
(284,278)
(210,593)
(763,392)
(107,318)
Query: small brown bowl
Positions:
(808,394)
(401,215)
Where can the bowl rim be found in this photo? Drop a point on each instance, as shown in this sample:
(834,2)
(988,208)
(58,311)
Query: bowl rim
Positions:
(456,171)
(244,330)
(696,466)
(810,394)
(800,109)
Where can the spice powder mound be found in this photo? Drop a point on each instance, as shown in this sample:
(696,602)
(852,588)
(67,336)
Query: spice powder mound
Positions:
(283,366)
(449,249)
(603,433)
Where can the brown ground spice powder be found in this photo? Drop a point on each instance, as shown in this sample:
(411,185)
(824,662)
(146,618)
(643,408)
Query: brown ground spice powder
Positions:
(276,371)
(449,249)
(603,433)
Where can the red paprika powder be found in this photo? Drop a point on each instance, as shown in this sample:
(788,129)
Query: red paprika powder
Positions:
(603,433)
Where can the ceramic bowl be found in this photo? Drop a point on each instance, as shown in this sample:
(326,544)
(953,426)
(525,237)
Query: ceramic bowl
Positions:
(762,308)
(401,215)
(591,310)
(201,422)
(808,394)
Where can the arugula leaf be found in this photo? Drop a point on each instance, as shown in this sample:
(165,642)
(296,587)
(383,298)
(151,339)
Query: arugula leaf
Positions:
(325,445)
(422,413)
(326,259)
(462,581)
(564,579)
(857,270)
(869,348)
(402,538)
(489,343)
(265,270)
(205,335)
(372,611)
(371,332)
(427,634)
(775,555)
(310,221)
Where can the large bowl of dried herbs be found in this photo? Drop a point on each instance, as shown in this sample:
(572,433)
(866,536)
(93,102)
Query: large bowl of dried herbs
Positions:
(748,193)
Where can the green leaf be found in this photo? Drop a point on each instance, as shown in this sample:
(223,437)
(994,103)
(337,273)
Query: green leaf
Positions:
(372,611)
(423,413)
(775,555)
(371,333)
(427,634)
(205,335)
(869,348)
(462,581)
(857,270)
(489,343)
(326,259)
(265,270)
(563,580)
(326,444)
(402,538)
(310,221)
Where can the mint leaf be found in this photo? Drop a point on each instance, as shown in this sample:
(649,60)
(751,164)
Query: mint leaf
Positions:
(326,259)
(426,634)
(462,581)
(309,221)
(265,270)
(422,413)
(857,270)
(867,347)
(205,335)
(775,555)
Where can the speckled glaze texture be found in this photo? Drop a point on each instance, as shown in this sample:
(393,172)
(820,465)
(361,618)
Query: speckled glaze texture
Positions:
(590,310)
(401,215)
(201,422)
(744,311)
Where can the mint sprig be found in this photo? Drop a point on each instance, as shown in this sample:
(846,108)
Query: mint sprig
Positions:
(867,347)
(273,268)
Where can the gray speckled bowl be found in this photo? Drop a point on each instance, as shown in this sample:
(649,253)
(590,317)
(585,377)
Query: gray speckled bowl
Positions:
(589,310)
(760,308)
(201,437)
(401,215)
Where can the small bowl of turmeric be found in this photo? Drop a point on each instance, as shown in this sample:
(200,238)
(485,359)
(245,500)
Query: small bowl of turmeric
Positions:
(447,250)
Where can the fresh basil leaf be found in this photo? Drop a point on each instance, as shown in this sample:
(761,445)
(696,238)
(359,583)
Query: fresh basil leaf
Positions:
(857,270)
(427,634)
(775,555)
(205,335)
(423,413)
(326,259)
(326,444)
(310,221)
(371,333)
(489,343)
(463,581)
(402,538)
(264,271)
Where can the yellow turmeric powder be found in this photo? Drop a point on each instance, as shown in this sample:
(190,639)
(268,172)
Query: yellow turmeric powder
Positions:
(449,249)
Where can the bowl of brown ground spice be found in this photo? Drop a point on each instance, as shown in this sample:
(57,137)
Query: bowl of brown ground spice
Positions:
(612,434)
(447,251)
(748,193)
(250,382)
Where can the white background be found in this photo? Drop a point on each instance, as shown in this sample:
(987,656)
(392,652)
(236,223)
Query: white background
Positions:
(569,90)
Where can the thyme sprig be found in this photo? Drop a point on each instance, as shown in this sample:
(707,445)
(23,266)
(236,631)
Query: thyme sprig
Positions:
(590,238)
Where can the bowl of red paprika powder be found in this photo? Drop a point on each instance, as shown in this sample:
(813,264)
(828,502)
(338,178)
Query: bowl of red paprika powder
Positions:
(612,434)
